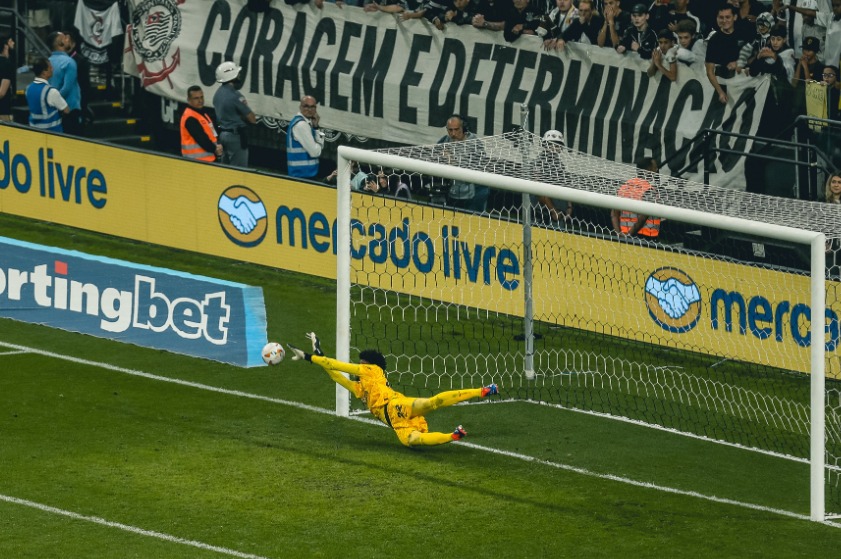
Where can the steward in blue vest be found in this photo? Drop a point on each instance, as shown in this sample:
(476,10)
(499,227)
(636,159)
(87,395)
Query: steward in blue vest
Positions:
(46,105)
(304,141)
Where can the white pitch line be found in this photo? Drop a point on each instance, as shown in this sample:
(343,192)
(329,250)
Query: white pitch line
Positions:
(127,528)
(325,411)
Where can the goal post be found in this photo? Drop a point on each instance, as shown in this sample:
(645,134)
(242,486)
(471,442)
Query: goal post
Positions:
(506,164)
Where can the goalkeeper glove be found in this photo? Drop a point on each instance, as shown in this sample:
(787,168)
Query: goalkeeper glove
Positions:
(316,344)
(298,354)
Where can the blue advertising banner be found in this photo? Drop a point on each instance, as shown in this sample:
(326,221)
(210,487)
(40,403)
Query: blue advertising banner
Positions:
(143,305)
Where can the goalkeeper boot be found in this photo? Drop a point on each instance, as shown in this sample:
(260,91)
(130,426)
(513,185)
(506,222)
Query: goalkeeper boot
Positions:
(459,433)
(490,390)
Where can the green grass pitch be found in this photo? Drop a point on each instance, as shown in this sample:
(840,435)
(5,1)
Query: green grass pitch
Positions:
(109,450)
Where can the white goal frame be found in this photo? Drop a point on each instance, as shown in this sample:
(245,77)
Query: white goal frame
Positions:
(815,240)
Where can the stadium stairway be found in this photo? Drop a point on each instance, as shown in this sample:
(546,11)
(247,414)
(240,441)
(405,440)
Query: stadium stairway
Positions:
(109,118)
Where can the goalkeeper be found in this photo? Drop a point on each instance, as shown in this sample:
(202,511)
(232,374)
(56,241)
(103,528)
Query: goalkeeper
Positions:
(403,414)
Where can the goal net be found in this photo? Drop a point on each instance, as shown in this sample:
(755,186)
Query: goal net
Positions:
(705,330)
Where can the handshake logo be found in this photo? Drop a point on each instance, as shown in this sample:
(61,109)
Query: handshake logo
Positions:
(242,216)
(673,300)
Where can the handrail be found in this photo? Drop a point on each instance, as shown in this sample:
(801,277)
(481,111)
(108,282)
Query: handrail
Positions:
(705,137)
(32,40)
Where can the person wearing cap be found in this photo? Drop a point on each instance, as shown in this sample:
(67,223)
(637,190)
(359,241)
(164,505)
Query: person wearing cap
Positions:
(748,52)
(802,23)
(808,67)
(551,211)
(638,38)
(664,57)
(233,115)
(616,22)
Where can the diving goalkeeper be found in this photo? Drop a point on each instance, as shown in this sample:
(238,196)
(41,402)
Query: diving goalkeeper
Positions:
(403,414)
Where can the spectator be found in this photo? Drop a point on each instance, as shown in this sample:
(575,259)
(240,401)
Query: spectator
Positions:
(744,29)
(664,58)
(46,105)
(616,22)
(387,6)
(830,136)
(832,195)
(808,66)
(7,77)
(65,79)
(522,19)
(490,14)
(83,75)
(432,10)
(639,38)
(199,139)
(585,29)
(376,184)
(304,141)
(667,16)
(631,224)
(550,211)
(398,187)
(233,115)
(802,22)
(748,52)
(748,10)
(830,79)
(723,48)
(459,12)
(776,58)
(690,46)
(463,195)
(832,22)
(557,22)
(357,177)
(832,190)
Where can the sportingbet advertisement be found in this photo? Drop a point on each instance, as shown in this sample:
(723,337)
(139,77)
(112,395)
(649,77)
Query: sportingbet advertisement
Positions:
(702,305)
(142,305)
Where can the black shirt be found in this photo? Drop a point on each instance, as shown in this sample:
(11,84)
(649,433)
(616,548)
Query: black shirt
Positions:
(7,72)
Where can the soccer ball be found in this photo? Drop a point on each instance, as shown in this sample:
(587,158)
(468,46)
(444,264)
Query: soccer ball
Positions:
(273,353)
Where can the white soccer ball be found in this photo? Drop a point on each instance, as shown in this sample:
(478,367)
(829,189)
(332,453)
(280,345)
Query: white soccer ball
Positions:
(273,353)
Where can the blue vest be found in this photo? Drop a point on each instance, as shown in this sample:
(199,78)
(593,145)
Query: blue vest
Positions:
(41,114)
(299,162)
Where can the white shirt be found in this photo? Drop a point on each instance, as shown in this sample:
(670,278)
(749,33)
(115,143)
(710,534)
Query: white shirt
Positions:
(832,50)
(54,98)
(302,132)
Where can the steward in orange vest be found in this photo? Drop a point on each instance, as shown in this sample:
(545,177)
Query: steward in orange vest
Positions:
(199,139)
(630,223)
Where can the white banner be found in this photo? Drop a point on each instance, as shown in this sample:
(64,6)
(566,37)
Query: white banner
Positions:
(379,77)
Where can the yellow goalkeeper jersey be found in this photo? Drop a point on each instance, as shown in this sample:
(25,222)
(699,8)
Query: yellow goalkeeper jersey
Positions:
(374,391)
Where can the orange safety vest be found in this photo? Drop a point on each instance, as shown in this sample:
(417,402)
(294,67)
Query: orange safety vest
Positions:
(189,147)
(635,189)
